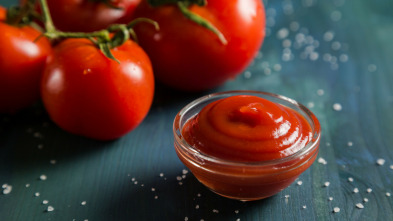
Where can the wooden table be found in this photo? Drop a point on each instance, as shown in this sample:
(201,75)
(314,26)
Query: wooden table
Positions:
(333,56)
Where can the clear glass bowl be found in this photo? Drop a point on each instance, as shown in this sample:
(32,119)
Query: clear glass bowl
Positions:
(245,180)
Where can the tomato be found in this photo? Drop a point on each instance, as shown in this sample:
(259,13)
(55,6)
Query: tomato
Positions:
(22,60)
(88,94)
(90,15)
(189,57)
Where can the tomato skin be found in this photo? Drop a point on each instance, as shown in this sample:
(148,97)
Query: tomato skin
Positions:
(88,94)
(88,15)
(22,61)
(194,58)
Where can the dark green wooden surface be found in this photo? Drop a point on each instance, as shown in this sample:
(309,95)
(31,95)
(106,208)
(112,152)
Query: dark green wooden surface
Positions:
(136,177)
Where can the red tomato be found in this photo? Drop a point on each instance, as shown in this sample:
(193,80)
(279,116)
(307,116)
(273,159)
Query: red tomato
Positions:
(91,95)
(90,15)
(189,57)
(22,60)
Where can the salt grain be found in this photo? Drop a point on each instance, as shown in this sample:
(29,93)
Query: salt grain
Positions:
(328,36)
(299,183)
(350,144)
(330,198)
(350,179)
(304,207)
(320,92)
(153,189)
(391,167)
(369,190)
(322,161)
(197,207)
(43,177)
(184,171)
(161,174)
(50,209)
(326,184)
(7,189)
(282,33)
(336,209)
(387,194)
(215,211)
(37,194)
(155,197)
(380,161)
(310,104)
(52,161)
(359,206)
(83,203)
(45,202)
(27,185)
(365,200)
(335,15)
(337,107)
(355,190)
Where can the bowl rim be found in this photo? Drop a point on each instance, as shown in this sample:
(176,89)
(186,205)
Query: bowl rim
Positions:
(311,119)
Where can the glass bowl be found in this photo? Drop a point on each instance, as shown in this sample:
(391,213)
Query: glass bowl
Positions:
(245,180)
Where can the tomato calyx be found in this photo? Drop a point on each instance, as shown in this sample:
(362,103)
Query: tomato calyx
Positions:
(105,39)
(183,6)
(22,15)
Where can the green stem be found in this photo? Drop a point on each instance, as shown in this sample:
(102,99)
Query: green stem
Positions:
(201,21)
(49,27)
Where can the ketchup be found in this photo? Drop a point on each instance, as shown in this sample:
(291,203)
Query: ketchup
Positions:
(247,128)
(247,146)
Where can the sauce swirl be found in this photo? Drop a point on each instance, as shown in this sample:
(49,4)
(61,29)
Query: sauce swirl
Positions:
(247,128)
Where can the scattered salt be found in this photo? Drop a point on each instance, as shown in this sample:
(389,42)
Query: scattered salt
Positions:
(387,194)
(350,144)
(336,209)
(359,206)
(350,179)
(365,200)
(326,184)
(304,207)
(37,194)
(369,190)
(43,177)
(330,198)
(215,211)
(356,190)
(45,202)
(83,203)
(299,183)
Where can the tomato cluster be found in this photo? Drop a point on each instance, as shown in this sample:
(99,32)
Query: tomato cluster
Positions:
(88,93)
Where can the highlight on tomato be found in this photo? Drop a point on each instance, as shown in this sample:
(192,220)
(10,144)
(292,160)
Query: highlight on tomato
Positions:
(201,43)
(22,60)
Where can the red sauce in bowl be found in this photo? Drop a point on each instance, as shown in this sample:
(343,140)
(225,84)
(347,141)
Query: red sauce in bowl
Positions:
(247,145)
